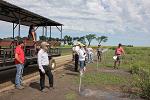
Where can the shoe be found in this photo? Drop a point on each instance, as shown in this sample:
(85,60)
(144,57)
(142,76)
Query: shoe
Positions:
(84,69)
(81,73)
(44,90)
(19,87)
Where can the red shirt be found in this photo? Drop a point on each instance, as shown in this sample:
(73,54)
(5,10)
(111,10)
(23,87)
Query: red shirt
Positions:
(119,51)
(20,53)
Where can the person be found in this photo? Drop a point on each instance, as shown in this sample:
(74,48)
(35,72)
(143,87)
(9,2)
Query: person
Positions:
(90,55)
(86,53)
(32,34)
(118,53)
(43,63)
(82,56)
(76,50)
(73,53)
(19,63)
(99,53)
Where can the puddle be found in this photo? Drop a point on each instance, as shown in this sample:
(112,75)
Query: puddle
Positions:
(104,95)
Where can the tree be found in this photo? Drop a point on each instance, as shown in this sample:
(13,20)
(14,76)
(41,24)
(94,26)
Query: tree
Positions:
(102,39)
(90,37)
(82,40)
(43,38)
(68,39)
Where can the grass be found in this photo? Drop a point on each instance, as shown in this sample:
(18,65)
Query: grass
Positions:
(66,51)
(136,60)
(71,96)
(103,79)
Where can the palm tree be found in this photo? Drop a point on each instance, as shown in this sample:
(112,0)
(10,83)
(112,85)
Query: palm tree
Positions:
(82,39)
(68,39)
(90,37)
(102,39)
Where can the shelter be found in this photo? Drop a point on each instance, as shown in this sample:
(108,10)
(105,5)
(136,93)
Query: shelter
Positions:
(19,16)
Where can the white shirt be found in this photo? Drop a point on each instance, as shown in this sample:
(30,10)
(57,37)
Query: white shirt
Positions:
(81,55)
(90,50)
(42,59)
(77,48)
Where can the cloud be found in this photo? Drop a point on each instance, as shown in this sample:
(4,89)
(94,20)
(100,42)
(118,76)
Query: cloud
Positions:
(99,16)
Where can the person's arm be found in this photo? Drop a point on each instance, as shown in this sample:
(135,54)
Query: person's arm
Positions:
(123,51)
(17,58)
(39,63)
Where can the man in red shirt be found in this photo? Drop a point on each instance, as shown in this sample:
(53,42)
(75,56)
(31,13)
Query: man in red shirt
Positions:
(19,62)
(118,52)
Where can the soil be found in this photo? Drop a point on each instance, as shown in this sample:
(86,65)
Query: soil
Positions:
(65,88)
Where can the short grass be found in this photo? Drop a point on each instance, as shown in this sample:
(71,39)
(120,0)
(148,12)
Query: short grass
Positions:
(71,96)
(136,59)
(103,79)
(66,51)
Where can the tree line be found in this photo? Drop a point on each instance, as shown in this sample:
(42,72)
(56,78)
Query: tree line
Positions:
(90,37)
(70,40)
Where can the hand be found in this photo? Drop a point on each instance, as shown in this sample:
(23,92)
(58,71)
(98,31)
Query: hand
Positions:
(21,62)
(43,71)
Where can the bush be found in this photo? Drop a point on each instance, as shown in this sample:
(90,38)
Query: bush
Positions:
(135,68)
(144,84)
(43,38)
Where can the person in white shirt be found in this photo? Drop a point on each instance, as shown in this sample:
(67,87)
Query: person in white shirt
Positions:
(82,55)
(90,55)
(43,63)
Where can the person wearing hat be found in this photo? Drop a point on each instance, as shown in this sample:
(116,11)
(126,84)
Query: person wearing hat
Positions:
(19,63)
(43,63)
(99,53)
(118,52)
(76,56)
(82,55)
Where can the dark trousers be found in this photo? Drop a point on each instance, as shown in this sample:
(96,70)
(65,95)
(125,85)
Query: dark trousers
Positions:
(42,77)
(76,62)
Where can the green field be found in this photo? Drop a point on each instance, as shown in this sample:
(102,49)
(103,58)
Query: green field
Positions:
(136,66)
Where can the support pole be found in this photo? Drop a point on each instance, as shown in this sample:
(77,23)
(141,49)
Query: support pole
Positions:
(13,31)
(46,30)
(19,28)
(43,31)
(61,32)
(50,32)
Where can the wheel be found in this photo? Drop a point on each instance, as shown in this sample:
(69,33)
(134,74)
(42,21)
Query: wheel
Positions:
(52,64)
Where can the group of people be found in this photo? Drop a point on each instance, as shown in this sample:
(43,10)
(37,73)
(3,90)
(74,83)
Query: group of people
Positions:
(42,59)
(82,55)
(43,64)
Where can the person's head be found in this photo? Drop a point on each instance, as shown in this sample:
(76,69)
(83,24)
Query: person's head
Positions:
(84,46)
(44,46)
(119,45)
(99,45)
(21,43)
(31,27)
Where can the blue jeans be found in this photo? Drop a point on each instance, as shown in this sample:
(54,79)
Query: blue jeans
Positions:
(18,80)
(81,64)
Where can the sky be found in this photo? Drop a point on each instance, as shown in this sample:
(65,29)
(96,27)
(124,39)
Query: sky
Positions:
(123,21)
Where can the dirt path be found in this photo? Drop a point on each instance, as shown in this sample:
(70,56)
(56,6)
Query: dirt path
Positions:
(66,88)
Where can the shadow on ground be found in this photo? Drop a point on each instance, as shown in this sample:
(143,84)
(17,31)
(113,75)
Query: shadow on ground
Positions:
(35,85)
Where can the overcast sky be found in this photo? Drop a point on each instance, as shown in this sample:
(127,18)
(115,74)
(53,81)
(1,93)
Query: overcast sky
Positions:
(123,21)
